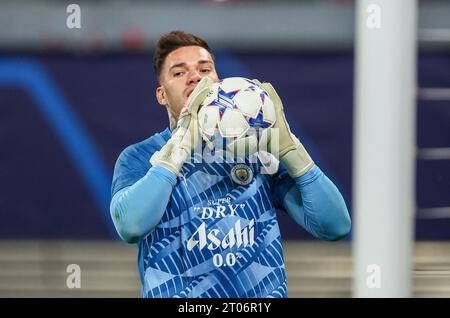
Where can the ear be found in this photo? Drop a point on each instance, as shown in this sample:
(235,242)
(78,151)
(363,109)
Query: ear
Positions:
(161,96)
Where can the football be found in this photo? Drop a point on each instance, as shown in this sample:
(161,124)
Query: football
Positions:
(237,110)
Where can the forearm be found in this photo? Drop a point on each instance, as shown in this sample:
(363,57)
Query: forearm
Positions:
(137,209)
(316,204)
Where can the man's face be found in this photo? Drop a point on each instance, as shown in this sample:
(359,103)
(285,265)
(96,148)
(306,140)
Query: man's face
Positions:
(183,68)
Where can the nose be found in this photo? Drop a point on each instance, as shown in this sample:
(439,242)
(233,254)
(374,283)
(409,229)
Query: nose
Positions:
(194,77)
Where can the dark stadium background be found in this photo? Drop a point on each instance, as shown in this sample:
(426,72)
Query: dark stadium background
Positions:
(64,119)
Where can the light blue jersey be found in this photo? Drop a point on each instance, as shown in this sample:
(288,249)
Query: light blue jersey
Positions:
(218,236)
(215,231)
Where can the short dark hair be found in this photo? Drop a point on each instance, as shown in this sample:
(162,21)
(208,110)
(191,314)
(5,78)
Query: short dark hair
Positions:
(172,41)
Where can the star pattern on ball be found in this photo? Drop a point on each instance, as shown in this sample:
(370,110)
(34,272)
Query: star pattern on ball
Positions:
(234,106)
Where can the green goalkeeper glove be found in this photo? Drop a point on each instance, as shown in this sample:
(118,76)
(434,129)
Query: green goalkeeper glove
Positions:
(289,149)
(186,137)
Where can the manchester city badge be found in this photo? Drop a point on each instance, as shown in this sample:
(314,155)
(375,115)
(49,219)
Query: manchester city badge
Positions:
(242,174)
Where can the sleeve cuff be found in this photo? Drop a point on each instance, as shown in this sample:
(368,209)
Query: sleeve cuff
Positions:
(309,177)
(165,173)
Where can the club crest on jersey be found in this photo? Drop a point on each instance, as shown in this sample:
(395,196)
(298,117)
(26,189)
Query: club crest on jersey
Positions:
(242,174)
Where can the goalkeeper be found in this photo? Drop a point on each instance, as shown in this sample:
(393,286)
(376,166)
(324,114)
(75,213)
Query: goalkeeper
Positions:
(210,229)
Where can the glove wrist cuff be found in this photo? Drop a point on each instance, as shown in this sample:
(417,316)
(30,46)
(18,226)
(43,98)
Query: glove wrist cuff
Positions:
(170,157)
(297,162)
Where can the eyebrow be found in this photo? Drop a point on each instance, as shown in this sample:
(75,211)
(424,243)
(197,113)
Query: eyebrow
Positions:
(183,64)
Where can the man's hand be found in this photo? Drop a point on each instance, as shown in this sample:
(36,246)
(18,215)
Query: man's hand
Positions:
(288,148)
(186,137)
